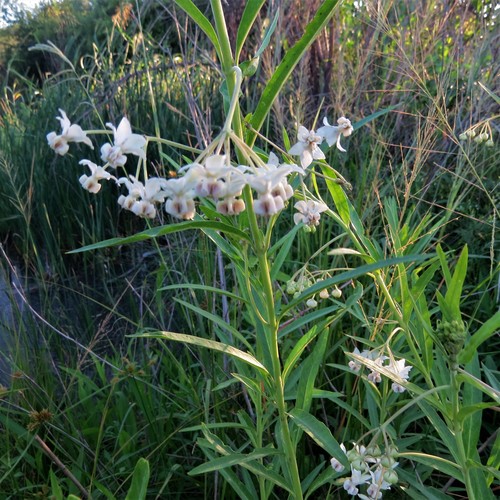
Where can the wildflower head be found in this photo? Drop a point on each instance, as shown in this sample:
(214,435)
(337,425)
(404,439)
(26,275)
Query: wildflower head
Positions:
(125,142)
(332,133)
(91,182)
(309,212)
(307,147)
(69,133)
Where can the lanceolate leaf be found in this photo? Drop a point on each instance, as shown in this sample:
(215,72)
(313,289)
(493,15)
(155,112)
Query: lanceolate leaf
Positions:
(250,13)
(484,333)
(209,344)
(284,70)
(320,433)
(156,232)
(197,16)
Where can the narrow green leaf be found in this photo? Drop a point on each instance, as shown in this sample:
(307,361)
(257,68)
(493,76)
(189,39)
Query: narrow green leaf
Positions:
(454,290)
(57,493)
(352,274)
(494,458)
(285,68)
(486,331)
(479,484)
(268,34)
(310,369)
(205,288)
(441,428)
(248,17)
(254,467)
(441,464)
(320,433)
(201,21)
(373,116)
(418,490)
(286,244)
(216,320)
(444,264)
(338,195)
(252,384)
(299,347)
(208,344)
(233,459)
(156,232)
(140,479)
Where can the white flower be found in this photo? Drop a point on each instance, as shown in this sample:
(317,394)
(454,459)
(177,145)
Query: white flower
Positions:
(357,478)
(399,369)
(180,202)
(141,198)
(309,212)
(336,464)
(272,186)
(125,142)
(91,183)
(70,133)
(332,133)
(307,147)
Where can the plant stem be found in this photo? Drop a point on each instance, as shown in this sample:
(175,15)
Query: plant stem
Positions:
(457,427)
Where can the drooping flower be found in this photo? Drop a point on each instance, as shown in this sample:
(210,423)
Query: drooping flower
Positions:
(357,478)
(399,369)
(208,179)
(309,212)
(332,133)
(142,198)
(125,142)
(180,202)
(91,183)
(307,147)
(271,184)
(70,133)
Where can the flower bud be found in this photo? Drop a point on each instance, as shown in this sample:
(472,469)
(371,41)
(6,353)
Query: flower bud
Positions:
(489,143)
(337,293)
(324,293)
(311,303)
(391,477)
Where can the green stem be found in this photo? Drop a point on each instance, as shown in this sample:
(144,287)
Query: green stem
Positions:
(457,429)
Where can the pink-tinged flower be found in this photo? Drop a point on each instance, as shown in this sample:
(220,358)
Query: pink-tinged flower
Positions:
(91,183)
(141,198)
(215,178)
(332,133)
(70,133)
(125,142)
(270,182)
(309,212)
(399,369)
(180,202)
(307,147)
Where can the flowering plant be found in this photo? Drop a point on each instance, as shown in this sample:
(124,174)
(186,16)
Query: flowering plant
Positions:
(235,193)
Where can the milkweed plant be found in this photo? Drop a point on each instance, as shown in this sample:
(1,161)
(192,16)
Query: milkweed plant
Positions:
(412,363)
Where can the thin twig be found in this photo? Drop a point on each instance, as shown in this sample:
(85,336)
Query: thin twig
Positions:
(63,468)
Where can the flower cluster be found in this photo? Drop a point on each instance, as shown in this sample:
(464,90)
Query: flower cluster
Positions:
(376,364)
(296,286)
(309,141)
(211,176)
(371,467)
(480,133)
(309,213)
